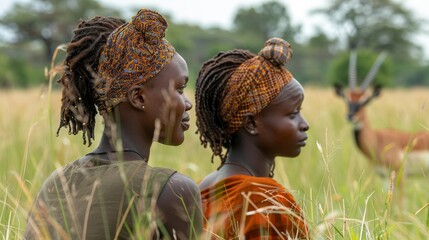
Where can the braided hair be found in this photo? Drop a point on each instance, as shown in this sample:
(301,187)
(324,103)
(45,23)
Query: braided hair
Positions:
(79,98)
(210,87)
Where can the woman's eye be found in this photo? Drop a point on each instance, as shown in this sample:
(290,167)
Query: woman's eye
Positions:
(294,114)
(181,90)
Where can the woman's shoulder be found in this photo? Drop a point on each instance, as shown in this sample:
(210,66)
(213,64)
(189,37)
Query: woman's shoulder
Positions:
(239,181)
(180,204)
(208,181)
(178,180)
(94,164)
(179,185)
(261,182)
(110,172)
(254,187)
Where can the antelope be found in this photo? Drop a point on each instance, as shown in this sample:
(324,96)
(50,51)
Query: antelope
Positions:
(389,149)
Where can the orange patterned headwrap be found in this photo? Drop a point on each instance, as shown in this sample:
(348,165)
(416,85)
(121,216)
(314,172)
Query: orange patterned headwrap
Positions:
(256,82)
(134,53)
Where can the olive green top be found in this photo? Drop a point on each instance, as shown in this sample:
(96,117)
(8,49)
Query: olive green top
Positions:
(98,199)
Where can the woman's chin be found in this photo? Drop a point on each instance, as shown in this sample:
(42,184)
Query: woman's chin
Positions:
(172,141)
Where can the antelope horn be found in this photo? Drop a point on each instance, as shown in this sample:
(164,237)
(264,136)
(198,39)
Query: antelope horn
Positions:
(352,70)
(371,74)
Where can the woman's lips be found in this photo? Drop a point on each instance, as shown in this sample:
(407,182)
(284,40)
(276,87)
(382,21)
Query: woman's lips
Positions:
(185,123)
(303,142)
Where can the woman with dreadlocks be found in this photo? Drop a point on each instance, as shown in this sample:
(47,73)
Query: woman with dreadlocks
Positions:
(248,112)
(135,79)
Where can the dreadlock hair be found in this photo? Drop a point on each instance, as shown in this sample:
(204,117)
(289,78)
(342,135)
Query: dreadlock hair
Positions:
(209,95)
(79,98)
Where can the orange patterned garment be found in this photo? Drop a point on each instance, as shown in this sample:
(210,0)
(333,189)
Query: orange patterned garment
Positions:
(245,207)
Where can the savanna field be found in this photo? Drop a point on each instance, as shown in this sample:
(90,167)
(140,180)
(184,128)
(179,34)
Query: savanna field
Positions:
(338,189)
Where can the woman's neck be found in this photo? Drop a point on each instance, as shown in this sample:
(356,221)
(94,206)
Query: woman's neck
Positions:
(133,146)
(245,154)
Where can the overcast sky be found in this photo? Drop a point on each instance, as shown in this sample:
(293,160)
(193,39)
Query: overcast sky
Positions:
(221,12)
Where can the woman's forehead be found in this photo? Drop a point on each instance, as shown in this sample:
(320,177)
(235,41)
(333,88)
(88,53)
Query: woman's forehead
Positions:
(292,92)
(176,70)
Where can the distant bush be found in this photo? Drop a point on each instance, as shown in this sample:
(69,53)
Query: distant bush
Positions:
(339,69)
(18,72)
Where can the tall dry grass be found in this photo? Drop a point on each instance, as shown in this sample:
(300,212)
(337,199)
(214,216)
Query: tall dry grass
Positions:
(339,191)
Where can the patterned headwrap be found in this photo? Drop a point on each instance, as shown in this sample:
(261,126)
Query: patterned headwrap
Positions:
(134,53)
(256,82)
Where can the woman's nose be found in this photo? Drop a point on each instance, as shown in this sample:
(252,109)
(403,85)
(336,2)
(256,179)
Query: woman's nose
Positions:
(188,104)
(304,125)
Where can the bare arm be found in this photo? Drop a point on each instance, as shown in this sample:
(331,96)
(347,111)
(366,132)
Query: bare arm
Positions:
(180,206)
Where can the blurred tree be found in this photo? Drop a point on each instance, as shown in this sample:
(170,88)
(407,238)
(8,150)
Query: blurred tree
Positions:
(412,72)
(37,27)
(311,59)
(378,25)
(339,69)
(197,44)
(271,19)
(49,22)
(16,72)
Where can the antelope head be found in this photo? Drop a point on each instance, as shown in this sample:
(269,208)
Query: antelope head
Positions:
(357,97)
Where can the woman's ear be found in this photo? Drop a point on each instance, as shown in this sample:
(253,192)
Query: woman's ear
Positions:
(136,97)
(249,124)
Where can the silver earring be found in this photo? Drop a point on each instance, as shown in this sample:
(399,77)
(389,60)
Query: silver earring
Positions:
(142,106)
(252,131)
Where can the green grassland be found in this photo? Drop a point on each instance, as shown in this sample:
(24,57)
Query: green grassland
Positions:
(338,189)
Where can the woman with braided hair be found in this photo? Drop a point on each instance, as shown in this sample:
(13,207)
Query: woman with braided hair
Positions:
(248,112)
(135,79)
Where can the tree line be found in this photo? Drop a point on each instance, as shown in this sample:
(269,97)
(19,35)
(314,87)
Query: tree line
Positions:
(32,31)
